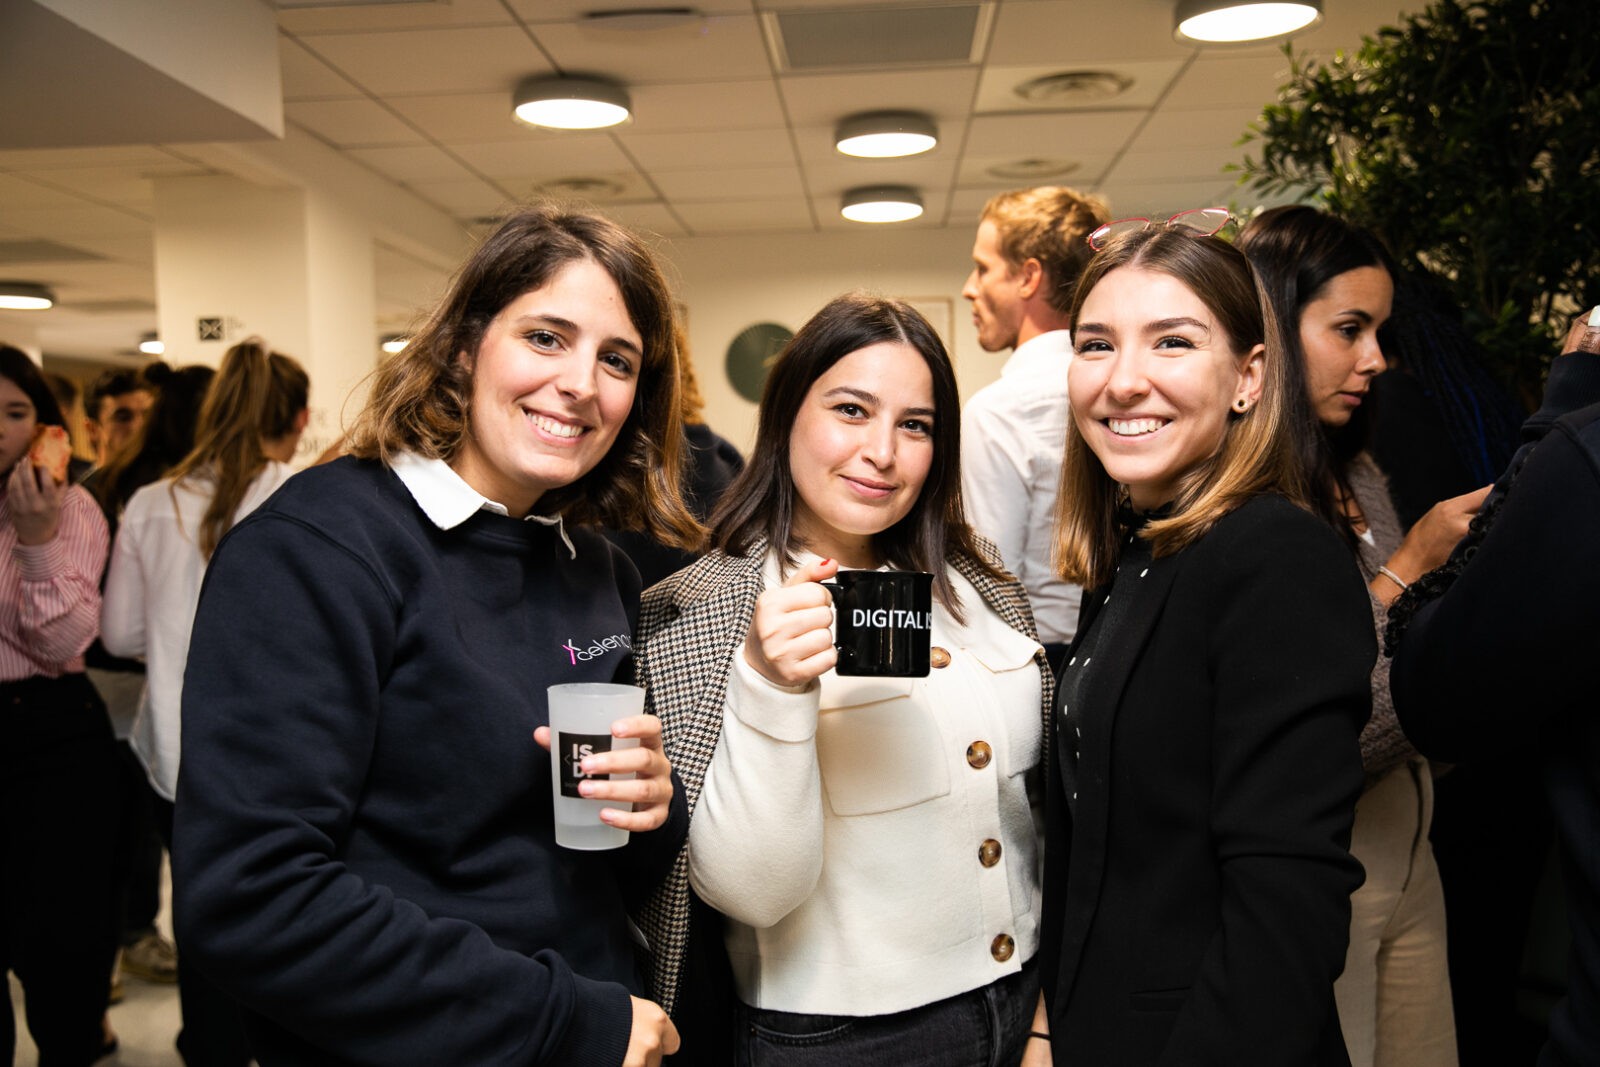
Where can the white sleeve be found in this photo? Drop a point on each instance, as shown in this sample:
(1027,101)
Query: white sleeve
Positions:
(755,842)
(122,608)
(995,464)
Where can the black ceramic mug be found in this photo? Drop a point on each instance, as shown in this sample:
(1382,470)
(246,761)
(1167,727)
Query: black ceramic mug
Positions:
(883,622)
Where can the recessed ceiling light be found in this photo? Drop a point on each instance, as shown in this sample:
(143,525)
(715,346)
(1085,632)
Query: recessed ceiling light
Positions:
(1236,21)
(563,103)
(886,135)
(25,296)
(881,203)
(151,345)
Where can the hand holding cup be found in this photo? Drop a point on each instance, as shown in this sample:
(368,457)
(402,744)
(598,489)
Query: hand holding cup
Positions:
(789,642)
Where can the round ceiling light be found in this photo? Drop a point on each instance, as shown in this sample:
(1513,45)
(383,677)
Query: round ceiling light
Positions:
(881,203)
(25,296)
(886,135)
(151,345)
(1238,21)
(561,103)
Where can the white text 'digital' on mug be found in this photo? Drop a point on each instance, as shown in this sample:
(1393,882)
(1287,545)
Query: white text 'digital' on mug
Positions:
(883,622)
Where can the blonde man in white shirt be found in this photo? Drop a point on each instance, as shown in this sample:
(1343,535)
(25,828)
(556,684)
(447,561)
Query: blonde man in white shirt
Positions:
(1031,246)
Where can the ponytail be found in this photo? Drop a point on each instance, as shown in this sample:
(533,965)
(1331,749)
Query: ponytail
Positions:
(256,396)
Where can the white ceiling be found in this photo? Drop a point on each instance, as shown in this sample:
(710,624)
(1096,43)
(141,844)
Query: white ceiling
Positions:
(725,138)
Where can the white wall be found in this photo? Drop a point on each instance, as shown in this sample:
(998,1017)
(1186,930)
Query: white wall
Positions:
(729,283)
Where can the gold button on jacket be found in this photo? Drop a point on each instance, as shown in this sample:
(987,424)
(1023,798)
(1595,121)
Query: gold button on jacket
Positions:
(938,657)
(989,852)
(1002,947)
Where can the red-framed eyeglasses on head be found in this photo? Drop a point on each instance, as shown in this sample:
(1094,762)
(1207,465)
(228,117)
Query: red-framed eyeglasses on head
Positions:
(1196,222)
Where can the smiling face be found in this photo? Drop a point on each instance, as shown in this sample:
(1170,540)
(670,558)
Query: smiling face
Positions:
(1154,381)
(860,450)
(994,287)
(553,381)
(18,419)
(1339,335)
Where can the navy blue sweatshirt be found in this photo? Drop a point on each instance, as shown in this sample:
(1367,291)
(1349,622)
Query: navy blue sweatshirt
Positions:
(364,851)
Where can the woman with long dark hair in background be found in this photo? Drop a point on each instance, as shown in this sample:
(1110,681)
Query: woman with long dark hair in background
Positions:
(58,759)
(1332,285)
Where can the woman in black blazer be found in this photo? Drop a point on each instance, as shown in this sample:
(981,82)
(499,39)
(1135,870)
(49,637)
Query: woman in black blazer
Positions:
(1198,878)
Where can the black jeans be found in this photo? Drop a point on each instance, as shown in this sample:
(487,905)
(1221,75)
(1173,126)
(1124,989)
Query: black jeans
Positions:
(986,1027)
(59,819)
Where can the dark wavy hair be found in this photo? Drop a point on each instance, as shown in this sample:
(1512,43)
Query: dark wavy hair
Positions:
(420,399)
(1296,251)
(759,505)
(25,374)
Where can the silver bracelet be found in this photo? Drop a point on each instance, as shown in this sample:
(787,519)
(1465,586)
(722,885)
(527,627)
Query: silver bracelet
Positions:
(1395,578)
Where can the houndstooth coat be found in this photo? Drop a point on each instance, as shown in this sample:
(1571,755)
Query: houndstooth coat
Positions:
(690,627)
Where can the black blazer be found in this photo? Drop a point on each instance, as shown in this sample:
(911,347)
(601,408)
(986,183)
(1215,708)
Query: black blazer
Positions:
(1197,906)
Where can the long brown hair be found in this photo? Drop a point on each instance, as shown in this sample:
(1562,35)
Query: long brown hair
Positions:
(257,395)
(1257,452)
(420,399)
(760,503)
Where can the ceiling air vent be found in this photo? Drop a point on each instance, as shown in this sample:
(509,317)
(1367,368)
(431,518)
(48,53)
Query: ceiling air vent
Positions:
(845,39)
(1073,88)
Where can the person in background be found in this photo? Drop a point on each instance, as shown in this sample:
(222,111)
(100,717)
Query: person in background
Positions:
(250,421)
(1494,653)
(165,438)
(69,398)
(58,759)
(1206,764)
(1026,260)
(364,850)
(872,842)
(1332,286)
(116,407)
(711,465)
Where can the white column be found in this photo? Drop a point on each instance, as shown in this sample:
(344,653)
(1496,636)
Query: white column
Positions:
(235,259)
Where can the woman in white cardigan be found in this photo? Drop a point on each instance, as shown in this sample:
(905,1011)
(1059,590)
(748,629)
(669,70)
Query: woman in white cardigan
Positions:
(870,842)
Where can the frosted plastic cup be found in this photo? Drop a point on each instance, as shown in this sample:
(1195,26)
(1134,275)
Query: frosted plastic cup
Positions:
(581,714)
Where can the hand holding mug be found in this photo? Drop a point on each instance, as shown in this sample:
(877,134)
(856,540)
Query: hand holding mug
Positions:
(789,642)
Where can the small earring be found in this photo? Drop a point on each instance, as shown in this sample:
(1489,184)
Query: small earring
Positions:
(1241,405)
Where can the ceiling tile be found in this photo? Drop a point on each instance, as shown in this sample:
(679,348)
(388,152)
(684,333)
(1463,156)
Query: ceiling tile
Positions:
(350,123)
(1192,129)
(1063,134)
(1071,33)
(824,99)
(541,11)
(307,77)
(411,164)
(743,216)
(464,118)
(723,105)
(473,59)
(923,172)
(731,46)
(1218,81)
(1146,82)
(700,149)
(49,158)
(545,155)
(1178,163)
(395,16)
(465,198)
(728,183)
(1168,197)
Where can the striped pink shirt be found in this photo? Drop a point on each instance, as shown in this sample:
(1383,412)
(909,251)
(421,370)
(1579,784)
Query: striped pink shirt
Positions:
(50,593)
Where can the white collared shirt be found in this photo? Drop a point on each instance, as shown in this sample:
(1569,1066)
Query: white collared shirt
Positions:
(1013,433)
(448,501)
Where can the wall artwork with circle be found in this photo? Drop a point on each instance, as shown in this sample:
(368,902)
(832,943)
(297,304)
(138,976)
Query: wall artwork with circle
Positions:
(751,353)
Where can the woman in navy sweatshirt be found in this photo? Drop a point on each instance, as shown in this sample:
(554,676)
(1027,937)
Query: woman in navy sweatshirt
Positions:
(364,849)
